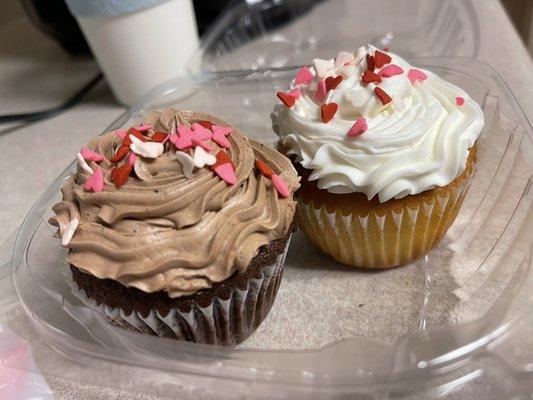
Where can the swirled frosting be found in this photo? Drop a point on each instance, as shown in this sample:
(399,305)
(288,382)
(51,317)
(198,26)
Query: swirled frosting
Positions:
(417,141)
(163,231)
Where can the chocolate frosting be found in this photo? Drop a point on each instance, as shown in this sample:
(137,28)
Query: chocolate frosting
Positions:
(163,231)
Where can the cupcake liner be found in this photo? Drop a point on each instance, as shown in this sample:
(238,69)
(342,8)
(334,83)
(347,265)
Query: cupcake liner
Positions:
(223,321)
(387,237)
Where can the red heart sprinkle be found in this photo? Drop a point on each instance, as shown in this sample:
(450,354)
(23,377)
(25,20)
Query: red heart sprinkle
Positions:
(383,96)
(205,124)
(121,152)
(370,62)
(132,131)
(264,168)
(287,99)
(332,83)
(369,76)
(159,137)
(222,158)
(327,111)
(119,175)
(381,59)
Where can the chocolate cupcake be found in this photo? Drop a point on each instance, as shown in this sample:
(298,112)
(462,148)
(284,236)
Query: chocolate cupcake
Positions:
(178,227)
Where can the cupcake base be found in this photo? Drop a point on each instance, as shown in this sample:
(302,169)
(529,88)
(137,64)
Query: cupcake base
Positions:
(369,234)
(226,314)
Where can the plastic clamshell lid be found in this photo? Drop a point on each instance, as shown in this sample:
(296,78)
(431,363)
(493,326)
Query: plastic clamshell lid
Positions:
(274,34)
(445,321)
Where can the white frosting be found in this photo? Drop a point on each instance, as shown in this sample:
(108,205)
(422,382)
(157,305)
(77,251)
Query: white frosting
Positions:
(418,141)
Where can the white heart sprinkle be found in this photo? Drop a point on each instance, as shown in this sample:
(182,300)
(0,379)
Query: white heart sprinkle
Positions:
(357,97)
(187,163)
(69,231)
(343,58)
(202,158)
(348,71)
(83,164)
(323,68)
(146,149)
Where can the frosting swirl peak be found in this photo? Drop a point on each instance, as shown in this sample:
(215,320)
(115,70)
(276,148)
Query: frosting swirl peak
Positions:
(397,130)
(164,231)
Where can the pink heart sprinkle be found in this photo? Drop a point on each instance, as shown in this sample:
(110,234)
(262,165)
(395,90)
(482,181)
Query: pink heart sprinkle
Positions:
(295,93)
(197,142)
(390,70)
(459,100)
(320,94)
(132,158)
(304,76)
(219,135)
(95,181)
(184,139)
(120,133)
(280,186)
(226,173)
(358,128)
(90,155)
(415,75)
(201,132)
(143,127)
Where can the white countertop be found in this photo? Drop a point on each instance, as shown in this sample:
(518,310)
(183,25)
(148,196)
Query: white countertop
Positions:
(35,73)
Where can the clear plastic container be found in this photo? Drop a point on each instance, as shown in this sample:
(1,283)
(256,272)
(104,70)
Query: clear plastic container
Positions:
(455,323)
(277,33)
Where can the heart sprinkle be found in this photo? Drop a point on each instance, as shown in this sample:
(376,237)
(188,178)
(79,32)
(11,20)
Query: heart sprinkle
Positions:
(95,182)
(83,164)
(332,83)
(296,93)
(182,140)
(321,91)
(382,95)
(459,101)
(69,231)
(121,152)
(370,63)
(323,67)
(370,77)
(381,59)
(202,158)
(146,149)
(280,185)
(90,155)
(390,70)
(220,134)
(120,175)
(159,137)
(327,111)
(223,167)
(415,75)
(187,163)
(264,168)
(201,132)
(303,76)
(133,132)
(343,58)
(132,158)
(286,99)
(359,127)
(200,143)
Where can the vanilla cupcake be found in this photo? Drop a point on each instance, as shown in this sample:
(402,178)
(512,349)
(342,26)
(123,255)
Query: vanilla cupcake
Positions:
(386,151)
(178,227)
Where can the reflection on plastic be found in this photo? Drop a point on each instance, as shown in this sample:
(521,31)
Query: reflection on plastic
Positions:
(17,382)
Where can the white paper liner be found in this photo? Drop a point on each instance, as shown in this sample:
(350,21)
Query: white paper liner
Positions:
(224,321)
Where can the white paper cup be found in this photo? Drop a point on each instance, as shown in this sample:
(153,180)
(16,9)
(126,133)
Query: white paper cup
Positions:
(137,50)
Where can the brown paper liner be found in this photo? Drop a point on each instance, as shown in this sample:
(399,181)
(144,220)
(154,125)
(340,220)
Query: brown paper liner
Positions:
(368,234)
